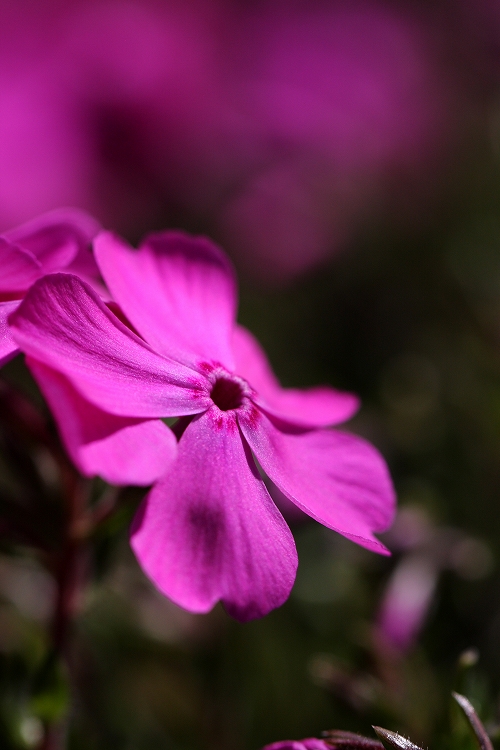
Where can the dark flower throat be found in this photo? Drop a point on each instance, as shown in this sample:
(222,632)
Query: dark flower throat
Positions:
(226,394)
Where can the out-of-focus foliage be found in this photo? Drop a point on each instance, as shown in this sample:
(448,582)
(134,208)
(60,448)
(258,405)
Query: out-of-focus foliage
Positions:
(407,315)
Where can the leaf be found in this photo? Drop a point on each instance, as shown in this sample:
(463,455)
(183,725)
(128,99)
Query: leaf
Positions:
(50,694)
(483,740)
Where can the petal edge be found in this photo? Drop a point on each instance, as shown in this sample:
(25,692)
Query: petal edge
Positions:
(337,478)
(209,531)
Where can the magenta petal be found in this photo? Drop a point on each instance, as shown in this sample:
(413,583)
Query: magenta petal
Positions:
(56,237)
(338,479)
(178,291)
(119,449)
(8,347)
(310,743)
(19,267)
(63,323)
(312,407)
(209,530)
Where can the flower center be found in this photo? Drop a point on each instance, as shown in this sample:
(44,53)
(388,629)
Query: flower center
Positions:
(227,394)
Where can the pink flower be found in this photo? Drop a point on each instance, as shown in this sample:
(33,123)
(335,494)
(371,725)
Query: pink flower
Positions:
(426,551)
(335,739)
(349,106)
(406,602)
(98,443)
(310,743)
(86,88)
(208,530)
(56,241)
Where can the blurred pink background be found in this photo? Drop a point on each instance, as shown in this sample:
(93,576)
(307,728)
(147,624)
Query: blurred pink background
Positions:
(282,129)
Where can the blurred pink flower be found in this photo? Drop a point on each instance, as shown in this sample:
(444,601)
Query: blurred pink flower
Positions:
(208,530)
(56,241)
(334,739)
(406,601)
(348,99)
(427,550)
(84,92)
(310,743)
(280,125)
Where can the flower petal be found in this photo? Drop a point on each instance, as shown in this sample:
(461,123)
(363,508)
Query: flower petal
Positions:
(178,291)
(118,449)
(63,323)
(56,237)
(338,479)
(209,530)
(20,268)
(310,743)
(8,347)
(312,407)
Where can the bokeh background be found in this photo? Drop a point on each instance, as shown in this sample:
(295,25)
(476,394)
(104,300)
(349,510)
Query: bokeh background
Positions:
(346,154)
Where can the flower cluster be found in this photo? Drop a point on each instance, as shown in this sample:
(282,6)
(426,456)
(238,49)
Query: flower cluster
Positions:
(282,124)
(159,340)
